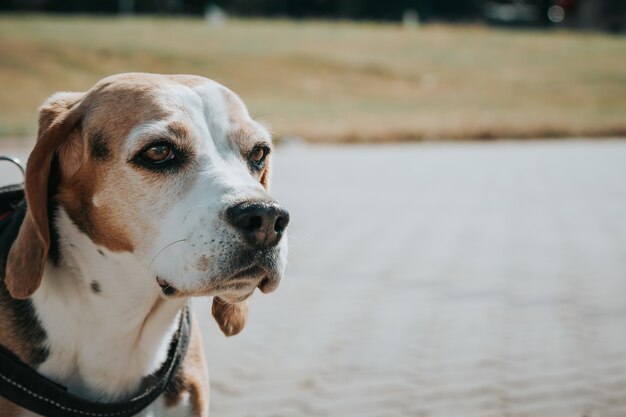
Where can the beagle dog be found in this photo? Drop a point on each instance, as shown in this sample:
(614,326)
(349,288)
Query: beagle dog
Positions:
(142,192)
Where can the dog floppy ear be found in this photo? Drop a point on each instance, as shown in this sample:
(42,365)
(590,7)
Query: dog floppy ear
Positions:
(27,257)
(231,317)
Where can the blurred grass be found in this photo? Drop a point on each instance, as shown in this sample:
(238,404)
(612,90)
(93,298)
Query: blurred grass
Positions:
(336,81)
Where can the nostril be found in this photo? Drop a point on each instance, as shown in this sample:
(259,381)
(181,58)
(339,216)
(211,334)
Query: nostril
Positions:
(254,223)
(282,220)
(281,224)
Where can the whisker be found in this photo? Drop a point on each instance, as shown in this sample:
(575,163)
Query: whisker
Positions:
(297,241)
(167,246)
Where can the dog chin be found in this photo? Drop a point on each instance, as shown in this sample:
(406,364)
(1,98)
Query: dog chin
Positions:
(239,289)
(243,277)
(234,289)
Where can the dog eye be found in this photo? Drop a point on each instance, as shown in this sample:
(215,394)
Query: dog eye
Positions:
(158,154)
(257,155)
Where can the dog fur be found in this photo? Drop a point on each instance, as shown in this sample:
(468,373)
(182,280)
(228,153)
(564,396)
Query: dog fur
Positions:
(103,231)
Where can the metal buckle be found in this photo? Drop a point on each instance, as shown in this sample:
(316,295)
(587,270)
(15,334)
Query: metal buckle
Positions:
(15,162)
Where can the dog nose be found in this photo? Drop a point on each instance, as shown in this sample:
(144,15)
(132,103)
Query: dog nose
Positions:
(261,223)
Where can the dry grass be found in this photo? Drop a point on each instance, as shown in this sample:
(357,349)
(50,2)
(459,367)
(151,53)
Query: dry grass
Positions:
(337,81)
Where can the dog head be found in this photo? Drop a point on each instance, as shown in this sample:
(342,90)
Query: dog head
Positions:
(169,168)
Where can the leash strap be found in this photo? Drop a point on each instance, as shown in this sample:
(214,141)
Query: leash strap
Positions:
(23,386)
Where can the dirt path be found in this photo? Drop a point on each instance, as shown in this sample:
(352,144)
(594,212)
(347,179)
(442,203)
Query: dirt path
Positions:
(439,280)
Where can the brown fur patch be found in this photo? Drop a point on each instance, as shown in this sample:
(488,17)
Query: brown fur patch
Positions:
(25,264)
(186,79)
(265,174)
(20,331)
(19,334)
(9,409)
(71,152)
(99,146)
(191,378)
(81,176)
(179,130)
(244,138)
(96,222)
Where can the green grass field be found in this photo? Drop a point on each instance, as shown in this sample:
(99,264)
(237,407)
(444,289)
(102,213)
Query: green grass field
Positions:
(336,81)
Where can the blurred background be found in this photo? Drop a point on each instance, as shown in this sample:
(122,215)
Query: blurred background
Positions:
(370,71)
(456,176)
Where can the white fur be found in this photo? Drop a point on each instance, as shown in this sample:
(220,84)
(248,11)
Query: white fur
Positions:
(101,344)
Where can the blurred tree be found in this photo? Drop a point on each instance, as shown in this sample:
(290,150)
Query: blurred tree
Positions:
(349,9)
(355,9)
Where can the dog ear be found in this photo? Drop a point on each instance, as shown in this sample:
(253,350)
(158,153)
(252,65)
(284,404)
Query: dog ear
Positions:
(58,117)
(230,317)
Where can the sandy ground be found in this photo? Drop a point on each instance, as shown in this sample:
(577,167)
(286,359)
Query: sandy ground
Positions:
(482,279)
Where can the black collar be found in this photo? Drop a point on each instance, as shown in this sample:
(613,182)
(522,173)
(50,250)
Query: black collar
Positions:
(23,386)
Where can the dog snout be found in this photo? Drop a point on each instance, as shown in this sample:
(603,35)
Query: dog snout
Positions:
(261,223)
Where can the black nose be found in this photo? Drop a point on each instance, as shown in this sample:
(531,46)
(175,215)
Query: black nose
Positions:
(261,223)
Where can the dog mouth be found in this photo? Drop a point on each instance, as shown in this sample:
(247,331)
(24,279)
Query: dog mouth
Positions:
(166,288)
(236,287)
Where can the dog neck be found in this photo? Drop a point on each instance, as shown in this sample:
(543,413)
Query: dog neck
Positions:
(107,324)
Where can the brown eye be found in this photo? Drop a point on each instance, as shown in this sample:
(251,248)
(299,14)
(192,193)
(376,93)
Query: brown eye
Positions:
(258,154)
(158,154)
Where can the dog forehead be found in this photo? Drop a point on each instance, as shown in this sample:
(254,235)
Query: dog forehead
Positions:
(124,101)
(128,105)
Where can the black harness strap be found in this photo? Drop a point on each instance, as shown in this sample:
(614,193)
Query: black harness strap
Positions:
(22,385)
(10,197)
